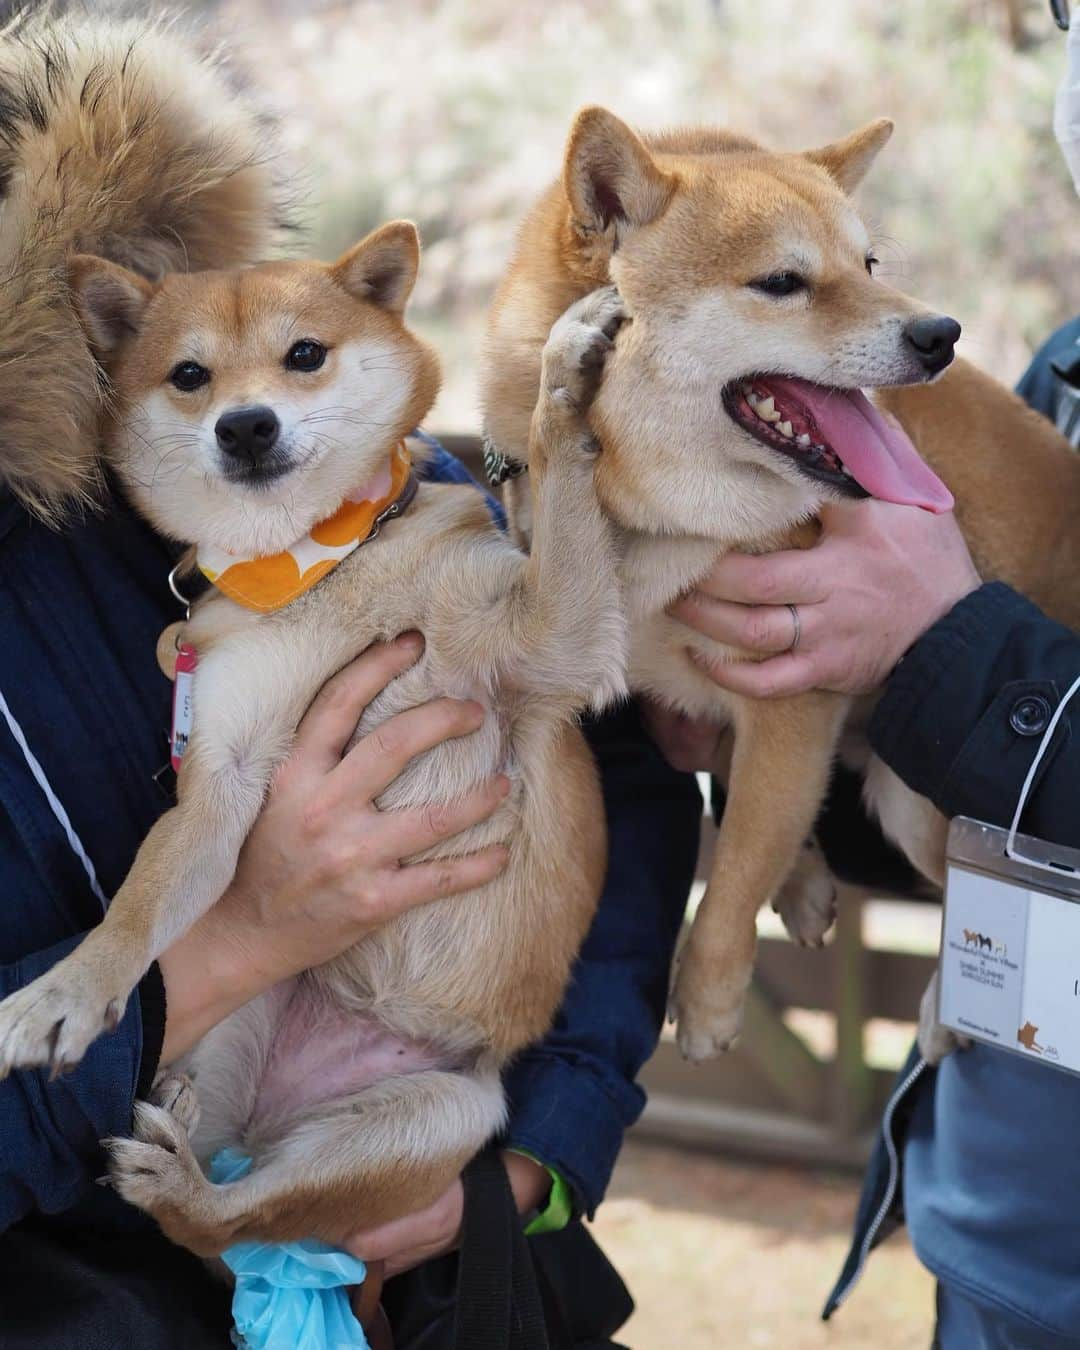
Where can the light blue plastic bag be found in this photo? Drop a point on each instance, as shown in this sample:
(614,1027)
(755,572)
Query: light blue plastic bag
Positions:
(289,1295)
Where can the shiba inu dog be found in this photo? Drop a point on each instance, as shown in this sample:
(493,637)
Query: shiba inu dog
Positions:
(731,409)
(253,413)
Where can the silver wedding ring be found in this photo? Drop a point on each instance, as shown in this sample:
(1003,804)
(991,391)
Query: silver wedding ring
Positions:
(798,627)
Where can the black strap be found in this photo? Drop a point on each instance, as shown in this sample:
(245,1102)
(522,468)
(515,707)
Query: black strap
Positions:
(498,1300)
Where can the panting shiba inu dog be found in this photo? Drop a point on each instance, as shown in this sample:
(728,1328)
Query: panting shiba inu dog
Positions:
(257,414)
(731,409)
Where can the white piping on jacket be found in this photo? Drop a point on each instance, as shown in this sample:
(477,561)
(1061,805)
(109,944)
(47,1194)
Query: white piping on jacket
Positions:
(56,806)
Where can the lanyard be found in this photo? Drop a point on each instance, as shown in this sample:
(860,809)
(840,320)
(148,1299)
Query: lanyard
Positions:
(1044,745)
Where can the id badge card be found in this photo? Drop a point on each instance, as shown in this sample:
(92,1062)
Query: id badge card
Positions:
(1010,943)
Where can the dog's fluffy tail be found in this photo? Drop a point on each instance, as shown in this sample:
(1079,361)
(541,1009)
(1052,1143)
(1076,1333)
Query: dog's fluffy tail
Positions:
(117,138)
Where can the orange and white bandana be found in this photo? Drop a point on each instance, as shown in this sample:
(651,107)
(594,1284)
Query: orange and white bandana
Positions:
(267,584)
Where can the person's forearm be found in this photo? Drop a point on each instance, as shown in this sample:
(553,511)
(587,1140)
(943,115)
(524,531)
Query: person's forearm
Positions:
(963,714)
(573,1095)
(208,973)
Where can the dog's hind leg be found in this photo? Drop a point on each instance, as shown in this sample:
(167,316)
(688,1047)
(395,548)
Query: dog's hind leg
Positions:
(908,819)
(807,900)
(388,1151)
(779,774)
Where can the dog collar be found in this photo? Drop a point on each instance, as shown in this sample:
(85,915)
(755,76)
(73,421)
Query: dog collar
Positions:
(268,584)
(499,466)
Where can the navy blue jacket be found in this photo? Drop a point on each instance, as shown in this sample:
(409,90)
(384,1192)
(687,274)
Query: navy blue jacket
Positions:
(80,613)
(979,1156)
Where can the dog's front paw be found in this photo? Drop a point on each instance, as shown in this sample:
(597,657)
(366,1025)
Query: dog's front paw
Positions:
(807,900)
(155,1169)
(54,1020)
(577,348)
(706,1007)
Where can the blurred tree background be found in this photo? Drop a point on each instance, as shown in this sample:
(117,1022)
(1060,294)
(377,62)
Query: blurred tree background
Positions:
(454,114)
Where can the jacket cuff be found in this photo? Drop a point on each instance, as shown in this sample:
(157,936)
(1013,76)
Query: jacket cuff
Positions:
(52,1128)
(569,1121)
(151,993)
(924,717)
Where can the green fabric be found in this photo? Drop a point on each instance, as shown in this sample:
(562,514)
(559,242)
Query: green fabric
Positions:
(559,1209)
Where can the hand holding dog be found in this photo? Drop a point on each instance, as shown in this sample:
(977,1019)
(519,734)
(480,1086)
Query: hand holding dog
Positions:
(878,578)
(323,865)
(431,1232)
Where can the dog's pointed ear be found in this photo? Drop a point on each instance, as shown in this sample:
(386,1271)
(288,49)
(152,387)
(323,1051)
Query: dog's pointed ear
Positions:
(108,299)
(849,160)
(609,175)
(382,268)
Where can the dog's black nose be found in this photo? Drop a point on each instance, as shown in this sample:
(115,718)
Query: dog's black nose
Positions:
(933,340)
(247,433)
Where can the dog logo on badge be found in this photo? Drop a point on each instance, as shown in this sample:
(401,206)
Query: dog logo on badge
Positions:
(983,943)
(1026,1037)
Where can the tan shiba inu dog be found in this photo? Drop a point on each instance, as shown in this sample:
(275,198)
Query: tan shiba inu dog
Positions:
(730,411)
(248,406)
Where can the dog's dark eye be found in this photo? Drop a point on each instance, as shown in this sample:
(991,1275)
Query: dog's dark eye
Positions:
(307,354)
(871,263)
(779,283)
(189,375)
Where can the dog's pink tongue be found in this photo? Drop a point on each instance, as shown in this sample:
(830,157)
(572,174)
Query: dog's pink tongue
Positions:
(876,452)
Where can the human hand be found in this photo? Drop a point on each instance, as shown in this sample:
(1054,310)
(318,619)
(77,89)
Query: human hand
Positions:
(323,865)
(409,1241)
(877,579)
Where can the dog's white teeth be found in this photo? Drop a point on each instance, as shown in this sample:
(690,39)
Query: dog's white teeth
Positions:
(752,398)
(766,410)
(803,440)
(785,429)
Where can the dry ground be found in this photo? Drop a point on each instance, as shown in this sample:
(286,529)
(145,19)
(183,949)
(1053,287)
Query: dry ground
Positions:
(722,1255)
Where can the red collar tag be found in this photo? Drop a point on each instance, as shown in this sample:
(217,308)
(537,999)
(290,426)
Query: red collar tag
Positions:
(182,709)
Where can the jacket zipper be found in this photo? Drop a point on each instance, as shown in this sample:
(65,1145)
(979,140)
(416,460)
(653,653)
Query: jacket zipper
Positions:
(874,1228)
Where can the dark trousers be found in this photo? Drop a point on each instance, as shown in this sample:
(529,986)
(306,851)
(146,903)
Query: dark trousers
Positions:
(74,1289)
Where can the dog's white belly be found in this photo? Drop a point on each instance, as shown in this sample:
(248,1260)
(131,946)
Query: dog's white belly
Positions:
(292,1051)
(322,1052)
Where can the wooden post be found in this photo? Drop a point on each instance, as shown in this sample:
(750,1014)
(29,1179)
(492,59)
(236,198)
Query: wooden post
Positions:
(852,1087)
